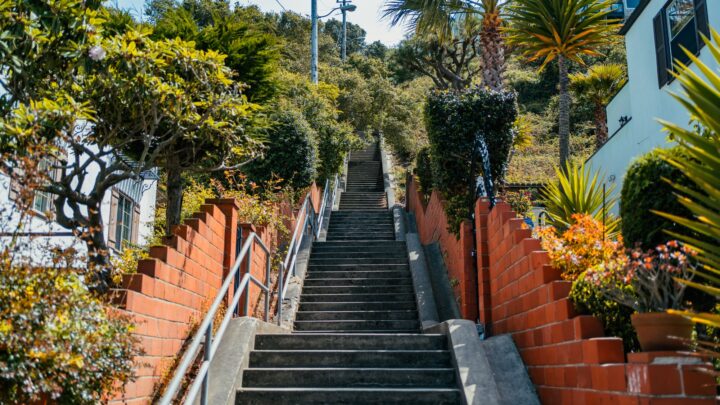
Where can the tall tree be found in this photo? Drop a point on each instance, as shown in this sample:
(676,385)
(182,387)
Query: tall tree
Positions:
(564,30)
(441,18)
(598,86)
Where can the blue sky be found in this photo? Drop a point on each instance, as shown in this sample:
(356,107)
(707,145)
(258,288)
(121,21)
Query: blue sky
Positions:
(367,15)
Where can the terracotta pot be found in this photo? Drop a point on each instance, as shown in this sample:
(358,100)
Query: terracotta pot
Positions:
(655,328)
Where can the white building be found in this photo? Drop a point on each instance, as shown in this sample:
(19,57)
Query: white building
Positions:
(654,34)
(128,211)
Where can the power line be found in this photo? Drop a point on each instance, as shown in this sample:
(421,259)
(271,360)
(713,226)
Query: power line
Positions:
(281,5)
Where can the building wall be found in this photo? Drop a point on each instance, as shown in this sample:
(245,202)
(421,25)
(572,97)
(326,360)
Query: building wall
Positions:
(643,100)
(39,224)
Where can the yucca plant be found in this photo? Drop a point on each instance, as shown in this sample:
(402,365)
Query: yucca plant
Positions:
(578,190)
(564,30)
(701,97)
(598,86)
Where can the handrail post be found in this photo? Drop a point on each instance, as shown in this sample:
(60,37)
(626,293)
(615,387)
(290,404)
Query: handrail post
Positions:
(208,353)
(248,267)
(281,277)
(268,297)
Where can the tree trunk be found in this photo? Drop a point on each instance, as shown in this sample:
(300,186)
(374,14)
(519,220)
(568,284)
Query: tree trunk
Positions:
(493,57)
(173,213)
(98,251)
(564,119)
(601,129)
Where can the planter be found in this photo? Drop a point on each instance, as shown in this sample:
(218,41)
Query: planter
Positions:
(655,328)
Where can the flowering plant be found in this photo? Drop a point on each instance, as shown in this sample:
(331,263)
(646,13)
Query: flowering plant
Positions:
(651,274)
(581,247)
(521,202)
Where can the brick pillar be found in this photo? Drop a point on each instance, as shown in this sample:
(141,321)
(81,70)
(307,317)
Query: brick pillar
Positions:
(482,211)
(468,282)
(229,207)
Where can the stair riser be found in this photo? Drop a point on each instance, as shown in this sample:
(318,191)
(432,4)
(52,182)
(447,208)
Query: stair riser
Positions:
(357,297)
(357,315)
(389,378)
(360,282)
(352,260)
(353,359)
(338,275)
(354,342)
(359,254)
(415,397)
(357,267)
(357,306)
(370,289)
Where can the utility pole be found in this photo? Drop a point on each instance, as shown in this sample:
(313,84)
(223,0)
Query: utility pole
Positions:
(343,53)
(314,42)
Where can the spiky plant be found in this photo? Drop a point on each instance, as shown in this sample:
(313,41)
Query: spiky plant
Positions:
(564,30)
(598,86)
(579,190)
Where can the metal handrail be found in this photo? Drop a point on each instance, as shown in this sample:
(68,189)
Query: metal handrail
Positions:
(204,335)
(308,223)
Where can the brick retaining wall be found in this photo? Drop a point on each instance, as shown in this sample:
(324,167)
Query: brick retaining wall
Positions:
(569,359)
(172,290)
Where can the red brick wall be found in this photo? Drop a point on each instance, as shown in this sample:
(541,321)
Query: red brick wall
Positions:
(457,251)
(172,290)
(568,358)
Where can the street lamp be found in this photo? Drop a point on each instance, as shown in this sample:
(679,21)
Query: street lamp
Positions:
(344,8)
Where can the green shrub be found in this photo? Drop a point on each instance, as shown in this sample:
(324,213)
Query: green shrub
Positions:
(57,339)
(423,170)
(590,300)
(644,190)
(292,152)
(456,122)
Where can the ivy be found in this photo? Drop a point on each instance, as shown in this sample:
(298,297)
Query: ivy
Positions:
(457,121)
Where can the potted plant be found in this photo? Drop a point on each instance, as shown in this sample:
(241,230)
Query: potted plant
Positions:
(647,283)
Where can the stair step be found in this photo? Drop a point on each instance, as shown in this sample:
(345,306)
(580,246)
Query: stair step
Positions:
(343,324)
(367,282)
(369,243)
(357,267)
(359,289)
(357,377)
(359,315)
(357,306)
(292,396)
(350,359)
(357,297)
(359,252)
(358,260)
(369,275)
(351,342)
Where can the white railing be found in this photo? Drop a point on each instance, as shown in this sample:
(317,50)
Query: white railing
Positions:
(308,223)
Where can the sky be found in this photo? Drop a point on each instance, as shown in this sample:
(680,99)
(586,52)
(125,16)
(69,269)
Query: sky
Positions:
(367,15)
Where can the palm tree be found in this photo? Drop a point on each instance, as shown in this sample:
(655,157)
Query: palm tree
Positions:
(599,85)
(441,17)
(564,30)
(493,43)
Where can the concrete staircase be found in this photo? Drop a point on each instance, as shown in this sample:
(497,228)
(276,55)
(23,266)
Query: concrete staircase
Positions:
(357,336)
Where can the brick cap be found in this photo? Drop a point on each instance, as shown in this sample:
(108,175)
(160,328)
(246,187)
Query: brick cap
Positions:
(665,357)
(251,227)
(224,201)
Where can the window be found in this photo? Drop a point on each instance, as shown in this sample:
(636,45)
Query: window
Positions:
(42,202)
(123,229)
(680,24)
(124,220)
(679,13)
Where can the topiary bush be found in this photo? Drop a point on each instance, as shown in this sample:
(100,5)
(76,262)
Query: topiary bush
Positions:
(423,170)
(292,152)
(590,300)
(457,121)
(645,190)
